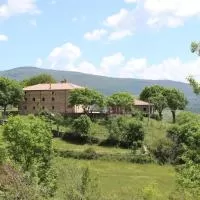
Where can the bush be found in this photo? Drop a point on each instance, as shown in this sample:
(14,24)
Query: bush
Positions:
(82,125)
(163,151)
(29,145)
(138,115)
(186,117)
(133,135)
(90,154)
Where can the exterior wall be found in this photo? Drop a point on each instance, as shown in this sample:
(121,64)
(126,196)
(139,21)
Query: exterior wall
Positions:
(145,108)
(53,101)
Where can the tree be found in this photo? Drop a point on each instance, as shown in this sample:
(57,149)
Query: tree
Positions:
(176,100)
(82,125)
(86,98)
(160,103)
(156,95)
(121,101)
(29,145)
(195,48)
(39,79)
(11,93)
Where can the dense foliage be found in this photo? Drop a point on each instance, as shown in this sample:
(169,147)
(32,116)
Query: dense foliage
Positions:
(86,98)
(29,145)
(122,102)
(39,79)
(11,93)
(82,125)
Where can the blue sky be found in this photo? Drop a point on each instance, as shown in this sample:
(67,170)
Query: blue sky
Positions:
(121,38)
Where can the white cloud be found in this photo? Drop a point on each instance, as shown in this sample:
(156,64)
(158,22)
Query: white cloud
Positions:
(3,37)
(96,34)
(109,63)
(117,35)
(39,62)
(68,57)
(15,7)
(171,13)
(67,53)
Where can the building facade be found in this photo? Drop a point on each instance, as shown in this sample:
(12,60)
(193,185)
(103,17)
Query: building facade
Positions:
(49,97)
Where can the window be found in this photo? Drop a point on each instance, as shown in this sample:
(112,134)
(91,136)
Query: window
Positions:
(53,108)
(25,107)
(144,109)
(52,93)
(43,107)
(33,98)
(33,107)
(43,99)
(53,99)
(25,92)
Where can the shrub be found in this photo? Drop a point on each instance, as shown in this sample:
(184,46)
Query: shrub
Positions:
(163,151)
(133,135)
(138,115)
(29,145)
(186,117)
(82,125)
(116,127)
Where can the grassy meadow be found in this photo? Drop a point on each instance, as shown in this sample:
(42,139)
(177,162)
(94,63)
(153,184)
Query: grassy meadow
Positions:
(120,179)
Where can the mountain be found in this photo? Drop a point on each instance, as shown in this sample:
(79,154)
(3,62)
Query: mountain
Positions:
(106,85)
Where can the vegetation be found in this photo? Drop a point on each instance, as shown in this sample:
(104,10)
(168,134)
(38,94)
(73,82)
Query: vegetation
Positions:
(29,146)
(38,79)
(176,101)
(82,125)
(122,102)
(86,98)
(11,93)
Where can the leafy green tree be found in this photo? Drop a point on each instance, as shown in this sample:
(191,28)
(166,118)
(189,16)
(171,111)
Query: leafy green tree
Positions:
(121,101)
(39,79)
(11,93)
(195,48)
(160,103)
(82,125)
(86,98)
(176,100)
(156,95)
(29,145)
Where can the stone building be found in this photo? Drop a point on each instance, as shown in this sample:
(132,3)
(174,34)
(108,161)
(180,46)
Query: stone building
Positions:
(48,97)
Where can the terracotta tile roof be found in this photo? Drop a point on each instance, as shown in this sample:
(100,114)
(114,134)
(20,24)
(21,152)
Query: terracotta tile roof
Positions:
(138,102)
(53,86)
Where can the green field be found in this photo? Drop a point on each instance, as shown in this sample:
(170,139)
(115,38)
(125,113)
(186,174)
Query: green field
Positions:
(119,178)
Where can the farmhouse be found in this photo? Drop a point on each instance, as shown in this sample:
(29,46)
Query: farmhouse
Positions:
(50,97)
(144,106)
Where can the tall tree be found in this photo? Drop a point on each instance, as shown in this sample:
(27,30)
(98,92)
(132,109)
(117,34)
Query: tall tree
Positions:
(86,98)
(156,95)
(195,48)
(121,101)
(176,100)
(11,93)
(39,79)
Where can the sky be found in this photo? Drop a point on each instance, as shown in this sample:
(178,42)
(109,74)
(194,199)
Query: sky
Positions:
(147,39)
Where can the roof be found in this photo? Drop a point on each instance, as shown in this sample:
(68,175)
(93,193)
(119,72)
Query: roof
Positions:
(52,86)
(138,102)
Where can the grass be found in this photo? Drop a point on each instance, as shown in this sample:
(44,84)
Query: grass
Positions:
(119,178)
(61,145)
